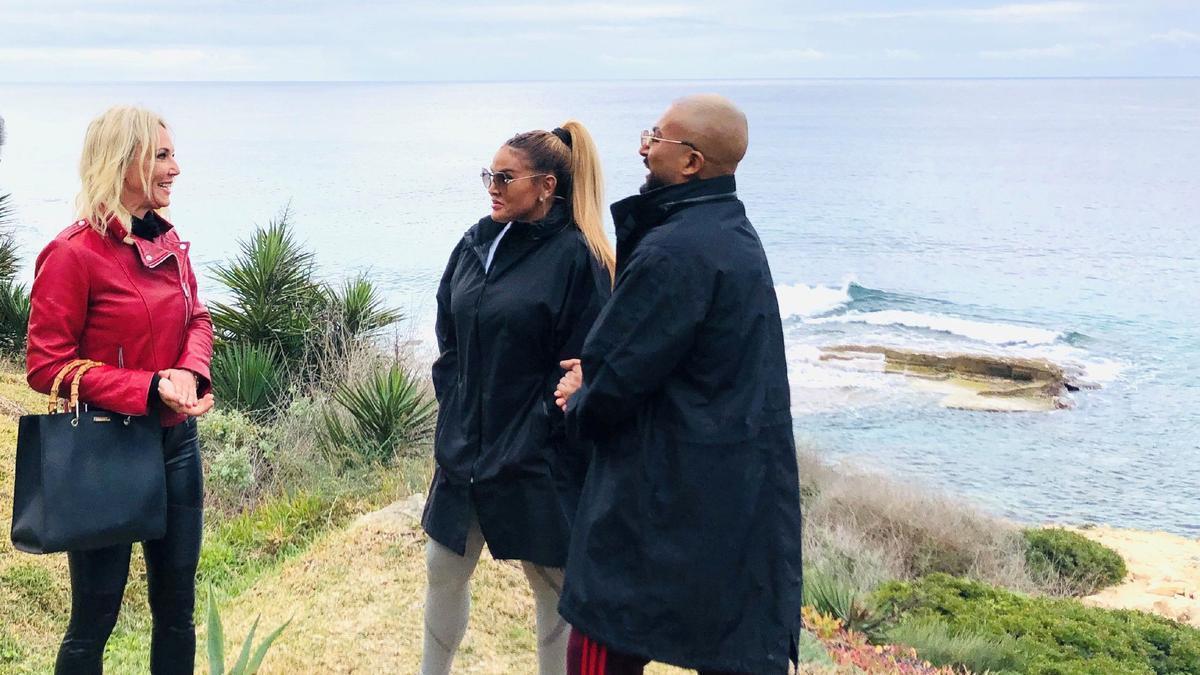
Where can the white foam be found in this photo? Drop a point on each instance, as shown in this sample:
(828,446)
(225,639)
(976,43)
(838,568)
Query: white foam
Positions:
(1001,334)
(802,301)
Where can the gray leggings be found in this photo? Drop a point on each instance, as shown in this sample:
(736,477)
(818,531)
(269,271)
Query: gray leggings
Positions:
(448,604)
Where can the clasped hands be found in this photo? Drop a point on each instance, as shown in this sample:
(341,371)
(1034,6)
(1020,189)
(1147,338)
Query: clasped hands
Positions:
(570,383)
(177,389)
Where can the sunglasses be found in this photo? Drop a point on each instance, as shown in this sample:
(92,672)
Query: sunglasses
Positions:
(650,136)
(501,179)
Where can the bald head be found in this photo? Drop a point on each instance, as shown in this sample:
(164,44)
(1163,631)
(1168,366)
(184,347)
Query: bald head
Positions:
(715,126)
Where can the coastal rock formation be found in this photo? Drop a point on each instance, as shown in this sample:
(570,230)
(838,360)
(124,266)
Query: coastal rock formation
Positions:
(988,382)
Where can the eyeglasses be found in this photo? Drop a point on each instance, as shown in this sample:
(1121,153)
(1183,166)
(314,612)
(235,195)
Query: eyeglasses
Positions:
(650,136)
(501,179)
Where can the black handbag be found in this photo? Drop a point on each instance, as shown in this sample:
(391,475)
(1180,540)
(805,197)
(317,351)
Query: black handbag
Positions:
(87,479)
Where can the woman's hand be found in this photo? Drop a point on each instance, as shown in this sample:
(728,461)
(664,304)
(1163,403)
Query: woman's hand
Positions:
(177,389)
(570,383)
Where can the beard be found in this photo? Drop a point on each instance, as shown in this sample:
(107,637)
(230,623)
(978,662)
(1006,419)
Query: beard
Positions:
(653,182)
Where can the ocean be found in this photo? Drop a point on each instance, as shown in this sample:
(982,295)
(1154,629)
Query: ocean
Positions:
(1047,218)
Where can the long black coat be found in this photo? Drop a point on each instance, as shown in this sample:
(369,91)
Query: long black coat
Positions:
(500,442)
(686,547)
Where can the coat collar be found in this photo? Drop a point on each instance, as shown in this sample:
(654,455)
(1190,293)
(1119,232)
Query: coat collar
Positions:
(118,229)
(150,252)
(521,238)
(487,229)
(634,215)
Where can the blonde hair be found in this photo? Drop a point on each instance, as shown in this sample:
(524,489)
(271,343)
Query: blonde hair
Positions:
(122,136)
(580,180)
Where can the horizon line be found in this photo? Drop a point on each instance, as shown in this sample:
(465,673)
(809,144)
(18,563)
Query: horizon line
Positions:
(623,80)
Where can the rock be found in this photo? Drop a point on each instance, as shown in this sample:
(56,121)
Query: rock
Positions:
(986,382)
(405,512)
(1168,590)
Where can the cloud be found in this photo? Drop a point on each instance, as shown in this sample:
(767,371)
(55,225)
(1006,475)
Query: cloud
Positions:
(612,12)
(901,55)
(792,54)
(1030,53)
(1028,11)
(1176,36)
(103,57)
(1019,12)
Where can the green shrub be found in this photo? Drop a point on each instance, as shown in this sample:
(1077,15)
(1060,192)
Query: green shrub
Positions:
(380,413)
(1058,636)
(239,456)
(1081,565)
(937,643)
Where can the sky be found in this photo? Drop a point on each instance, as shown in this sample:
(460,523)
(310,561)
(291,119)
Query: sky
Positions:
(473,40)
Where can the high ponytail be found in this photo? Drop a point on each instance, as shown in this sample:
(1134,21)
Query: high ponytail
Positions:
(576,164)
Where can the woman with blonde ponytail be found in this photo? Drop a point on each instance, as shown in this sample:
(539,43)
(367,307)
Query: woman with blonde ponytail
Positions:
(519,295)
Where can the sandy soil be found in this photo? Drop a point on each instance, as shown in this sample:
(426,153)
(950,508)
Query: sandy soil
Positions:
(1164,573)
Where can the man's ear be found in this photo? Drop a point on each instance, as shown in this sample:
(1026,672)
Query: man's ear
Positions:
(694,165)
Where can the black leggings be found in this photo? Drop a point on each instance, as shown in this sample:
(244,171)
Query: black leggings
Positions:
(98,577)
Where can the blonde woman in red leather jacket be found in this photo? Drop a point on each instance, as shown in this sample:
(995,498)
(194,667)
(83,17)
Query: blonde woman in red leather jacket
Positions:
(117,287)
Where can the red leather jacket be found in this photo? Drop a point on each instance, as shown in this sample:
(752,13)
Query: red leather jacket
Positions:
(132,307)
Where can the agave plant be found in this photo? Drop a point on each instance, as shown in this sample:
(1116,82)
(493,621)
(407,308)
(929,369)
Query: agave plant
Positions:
(250,377)
(831,596)
(275,299)
(384,410)
(246,664)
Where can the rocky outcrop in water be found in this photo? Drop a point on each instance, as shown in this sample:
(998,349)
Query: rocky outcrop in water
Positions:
(989,382)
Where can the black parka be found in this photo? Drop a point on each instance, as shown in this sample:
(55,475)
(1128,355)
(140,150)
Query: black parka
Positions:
(686,546)
(500,442)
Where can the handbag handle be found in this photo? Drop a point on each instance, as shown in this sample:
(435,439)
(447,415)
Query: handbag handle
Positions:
(83,366)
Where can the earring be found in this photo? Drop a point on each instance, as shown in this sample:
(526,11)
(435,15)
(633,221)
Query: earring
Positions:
(541,199)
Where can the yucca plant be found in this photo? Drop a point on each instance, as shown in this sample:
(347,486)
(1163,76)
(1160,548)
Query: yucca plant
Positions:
(357,310)
(275,298)
(10,258)
(247,663)
(14,318)
(374,416)
(249,377)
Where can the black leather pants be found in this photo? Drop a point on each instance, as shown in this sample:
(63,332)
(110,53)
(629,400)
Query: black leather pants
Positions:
(98,577)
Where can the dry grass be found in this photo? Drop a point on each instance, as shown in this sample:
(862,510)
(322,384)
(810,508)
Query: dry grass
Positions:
(866,529)
(356,607)
(34,593)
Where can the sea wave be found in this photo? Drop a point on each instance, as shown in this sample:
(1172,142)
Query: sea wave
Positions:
(1000,334)
(800,301)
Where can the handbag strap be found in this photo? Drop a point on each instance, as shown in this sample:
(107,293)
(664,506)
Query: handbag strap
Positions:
(83,365)
(75,379)
(52,404)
